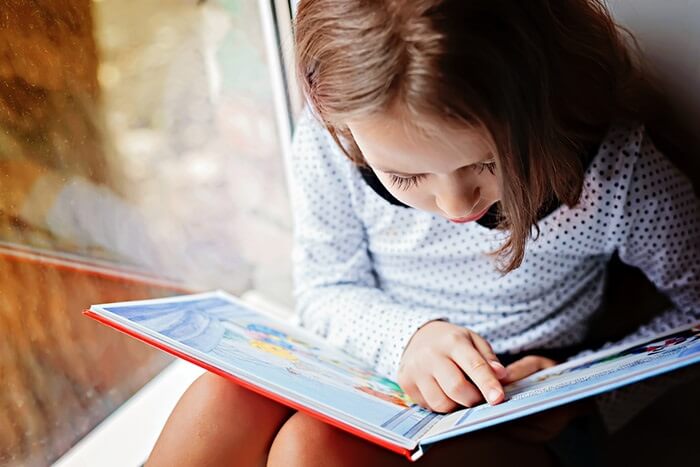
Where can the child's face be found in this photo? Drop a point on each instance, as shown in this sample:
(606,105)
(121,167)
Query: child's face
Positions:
(450,172)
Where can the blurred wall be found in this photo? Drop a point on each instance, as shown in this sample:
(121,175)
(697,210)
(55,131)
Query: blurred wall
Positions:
(669,33)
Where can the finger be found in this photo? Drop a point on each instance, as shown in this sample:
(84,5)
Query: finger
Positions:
(479,371)
(420,400)
(455,385)
(434,395)
(525,367)
(485,349)
(414,393)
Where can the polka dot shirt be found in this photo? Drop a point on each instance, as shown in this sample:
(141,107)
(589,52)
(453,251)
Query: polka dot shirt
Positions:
(368,273)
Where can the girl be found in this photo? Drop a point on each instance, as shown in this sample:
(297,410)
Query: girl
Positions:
(496,159)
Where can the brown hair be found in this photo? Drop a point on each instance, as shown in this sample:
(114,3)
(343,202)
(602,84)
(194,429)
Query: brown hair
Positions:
(544,77)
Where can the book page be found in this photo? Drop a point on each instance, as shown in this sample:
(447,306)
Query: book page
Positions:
(576,379)
(275,355)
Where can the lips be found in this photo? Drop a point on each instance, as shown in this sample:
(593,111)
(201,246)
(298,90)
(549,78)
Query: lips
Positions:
(473,218)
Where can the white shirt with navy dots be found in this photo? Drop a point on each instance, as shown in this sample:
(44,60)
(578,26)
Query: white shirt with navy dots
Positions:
(368,274)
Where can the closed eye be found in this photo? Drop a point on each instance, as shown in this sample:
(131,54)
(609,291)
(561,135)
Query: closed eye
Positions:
(405,183)
(408,182)
(488,165)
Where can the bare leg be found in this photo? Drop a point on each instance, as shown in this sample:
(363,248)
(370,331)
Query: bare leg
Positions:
(218,423)
(305,441)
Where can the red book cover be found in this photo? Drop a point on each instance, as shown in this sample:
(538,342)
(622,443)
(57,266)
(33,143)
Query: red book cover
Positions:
(273,358)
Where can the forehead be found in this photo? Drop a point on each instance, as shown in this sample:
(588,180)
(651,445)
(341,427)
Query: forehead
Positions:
(391,143)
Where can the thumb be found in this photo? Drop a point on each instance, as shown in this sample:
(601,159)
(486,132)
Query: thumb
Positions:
(525,367)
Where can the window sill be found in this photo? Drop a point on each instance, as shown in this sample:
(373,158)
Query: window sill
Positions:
(126,437)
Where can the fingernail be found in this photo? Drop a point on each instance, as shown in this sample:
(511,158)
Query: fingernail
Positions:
(493,395)
(496,364)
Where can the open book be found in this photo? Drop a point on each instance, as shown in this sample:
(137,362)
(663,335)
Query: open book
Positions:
(294,367)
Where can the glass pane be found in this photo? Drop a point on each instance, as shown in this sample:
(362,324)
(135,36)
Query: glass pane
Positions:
(139,157)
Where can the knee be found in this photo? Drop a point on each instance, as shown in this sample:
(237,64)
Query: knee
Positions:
(302,440)
(217,420)
(213,394)
(215,391)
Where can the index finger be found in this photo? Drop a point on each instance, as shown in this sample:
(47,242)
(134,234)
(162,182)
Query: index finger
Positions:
(479,371)
(485,349)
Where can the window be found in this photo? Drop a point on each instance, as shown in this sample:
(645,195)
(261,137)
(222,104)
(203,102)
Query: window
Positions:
(141,153)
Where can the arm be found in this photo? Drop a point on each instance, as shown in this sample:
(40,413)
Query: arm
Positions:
(658,232)
(662,237)
(338,295)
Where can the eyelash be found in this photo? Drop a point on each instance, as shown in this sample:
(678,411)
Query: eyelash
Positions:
(405,183)
(490,166)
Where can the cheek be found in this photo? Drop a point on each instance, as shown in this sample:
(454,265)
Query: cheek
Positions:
(415,197)
(422,197)
(418,197)
(490,188)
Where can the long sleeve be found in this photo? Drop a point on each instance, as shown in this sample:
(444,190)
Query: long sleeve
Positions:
(338,294)
(662,237)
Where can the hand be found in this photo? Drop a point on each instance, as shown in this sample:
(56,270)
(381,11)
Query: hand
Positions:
(445,366)
(525,367)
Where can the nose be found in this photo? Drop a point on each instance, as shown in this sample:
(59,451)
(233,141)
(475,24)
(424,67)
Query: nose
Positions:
(457,200)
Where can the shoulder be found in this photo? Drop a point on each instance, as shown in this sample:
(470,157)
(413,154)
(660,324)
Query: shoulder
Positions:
(318,167)
(653,177)
(627,172)
(311,139)
(313,145)
(630,145)
(618,152)
(630,179)
(629,162)
(314,153)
